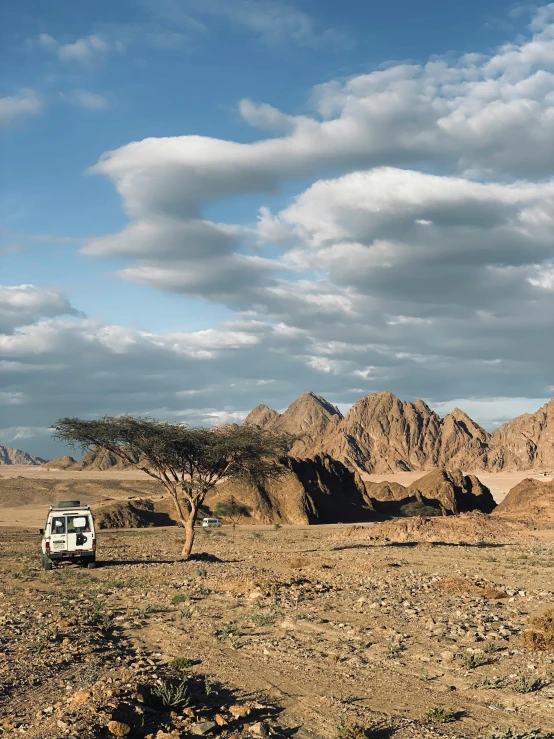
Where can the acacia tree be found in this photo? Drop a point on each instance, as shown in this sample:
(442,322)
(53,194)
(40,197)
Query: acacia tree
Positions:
(233,510)
(188,462)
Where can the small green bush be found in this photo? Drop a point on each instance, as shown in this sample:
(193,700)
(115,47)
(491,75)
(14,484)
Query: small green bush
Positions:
(472,659)
(528,684)
(179,598)
(169,695)
(181,663)
(439,715)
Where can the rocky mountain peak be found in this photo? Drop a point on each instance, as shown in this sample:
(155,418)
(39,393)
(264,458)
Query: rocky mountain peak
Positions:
(10,455)
(261,416)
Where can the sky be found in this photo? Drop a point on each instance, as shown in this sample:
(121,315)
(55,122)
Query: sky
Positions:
(210,204)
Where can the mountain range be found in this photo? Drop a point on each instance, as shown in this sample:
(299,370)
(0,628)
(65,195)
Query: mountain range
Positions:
(9,455)
(382,434)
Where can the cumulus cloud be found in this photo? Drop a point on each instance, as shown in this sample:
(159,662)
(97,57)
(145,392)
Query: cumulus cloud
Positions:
(15,107)
(86,51)
(22,304)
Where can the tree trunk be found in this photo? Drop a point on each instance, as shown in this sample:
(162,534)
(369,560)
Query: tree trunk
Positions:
(189,531)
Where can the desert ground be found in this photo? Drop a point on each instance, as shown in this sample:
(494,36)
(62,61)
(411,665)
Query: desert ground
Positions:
(320,632)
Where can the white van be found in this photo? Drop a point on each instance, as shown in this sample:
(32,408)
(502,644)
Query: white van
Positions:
(209,522)
(69,535)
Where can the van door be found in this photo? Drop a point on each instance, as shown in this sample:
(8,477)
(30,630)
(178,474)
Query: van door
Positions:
(79,533)
(58,534)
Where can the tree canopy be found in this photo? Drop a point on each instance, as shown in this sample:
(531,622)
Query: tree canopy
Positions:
(233,510)
(187,461)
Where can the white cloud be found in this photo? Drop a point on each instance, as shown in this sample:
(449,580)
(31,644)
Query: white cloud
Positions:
(21,304)
(11,398)
(15,107)
(86,99)
(544,279)
(22,433)
(86,51)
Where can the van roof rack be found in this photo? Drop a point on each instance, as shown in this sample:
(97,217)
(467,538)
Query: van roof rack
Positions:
(69,504)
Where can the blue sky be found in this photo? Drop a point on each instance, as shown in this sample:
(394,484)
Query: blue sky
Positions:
(236,233)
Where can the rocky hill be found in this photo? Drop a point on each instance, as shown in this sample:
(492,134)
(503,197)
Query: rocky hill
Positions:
(530,498)
(319,490)
(440,492)
(61,463)
(9,455)
(383,434)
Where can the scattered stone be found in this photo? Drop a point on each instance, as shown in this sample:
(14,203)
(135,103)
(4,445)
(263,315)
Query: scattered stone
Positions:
(118,728)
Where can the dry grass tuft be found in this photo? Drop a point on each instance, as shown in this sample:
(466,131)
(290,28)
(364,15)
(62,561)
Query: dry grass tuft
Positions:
(297,563)
(492,593)
(461,586)
(540,634)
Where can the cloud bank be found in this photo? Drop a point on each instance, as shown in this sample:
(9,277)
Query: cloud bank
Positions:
(420,260)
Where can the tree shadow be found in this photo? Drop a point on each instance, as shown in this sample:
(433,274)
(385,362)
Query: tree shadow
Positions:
(198,557)
(412,544)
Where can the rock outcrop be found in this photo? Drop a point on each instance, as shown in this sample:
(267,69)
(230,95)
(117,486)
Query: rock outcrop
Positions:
(319,490)
(136,514)
(530,498)
(61,463)
(383,434)
(441,492)
(10,455)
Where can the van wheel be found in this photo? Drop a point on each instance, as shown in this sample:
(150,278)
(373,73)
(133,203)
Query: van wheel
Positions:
(91,565)
(46,563)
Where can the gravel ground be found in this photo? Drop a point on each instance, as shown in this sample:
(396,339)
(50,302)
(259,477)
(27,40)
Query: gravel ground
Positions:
(275,632)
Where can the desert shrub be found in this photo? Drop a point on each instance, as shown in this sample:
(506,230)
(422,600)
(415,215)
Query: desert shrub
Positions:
(348,730)
(181,663)
(528,684)
(417,508)
(171,695)
(472,659)
(264,619)
(540,634)
(179,598)
(439,715)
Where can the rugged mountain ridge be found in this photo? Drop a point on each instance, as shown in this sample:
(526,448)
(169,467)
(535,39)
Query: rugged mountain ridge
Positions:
(10,455)
(382,434)
(440,492)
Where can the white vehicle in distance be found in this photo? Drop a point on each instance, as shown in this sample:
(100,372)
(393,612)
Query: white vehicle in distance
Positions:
(68,535)
(209,522)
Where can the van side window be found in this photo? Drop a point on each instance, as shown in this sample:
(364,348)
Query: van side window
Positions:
(58,525)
